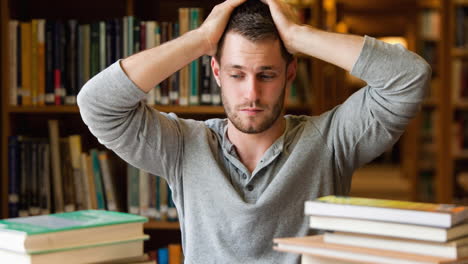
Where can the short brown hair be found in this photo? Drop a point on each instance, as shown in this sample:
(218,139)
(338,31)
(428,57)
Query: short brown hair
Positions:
(253,20)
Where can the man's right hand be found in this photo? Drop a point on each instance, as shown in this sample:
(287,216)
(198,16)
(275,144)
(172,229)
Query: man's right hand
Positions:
(214,25)
(285,21)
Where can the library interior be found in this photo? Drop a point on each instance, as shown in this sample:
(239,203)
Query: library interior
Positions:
(50,161)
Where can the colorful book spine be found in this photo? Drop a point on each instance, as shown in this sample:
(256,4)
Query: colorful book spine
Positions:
(100,198)
(194,65)
(26,66)
(13,176)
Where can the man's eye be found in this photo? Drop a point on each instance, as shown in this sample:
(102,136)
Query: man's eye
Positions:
(267,76)
(235,76)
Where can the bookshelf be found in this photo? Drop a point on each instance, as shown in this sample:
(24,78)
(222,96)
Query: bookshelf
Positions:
(429,46)
(453,125)
(388,21)
(32,120)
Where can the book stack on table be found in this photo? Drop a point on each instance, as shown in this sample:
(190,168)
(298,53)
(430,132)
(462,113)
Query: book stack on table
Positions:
(362,230)
(90,236)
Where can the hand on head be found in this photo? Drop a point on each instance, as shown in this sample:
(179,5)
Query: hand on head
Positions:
(285,20)
(213,27)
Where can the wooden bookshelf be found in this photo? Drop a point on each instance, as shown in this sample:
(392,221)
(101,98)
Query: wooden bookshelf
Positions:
(461,105)
(195,110)
(447,164)
(162,225)
(33,119)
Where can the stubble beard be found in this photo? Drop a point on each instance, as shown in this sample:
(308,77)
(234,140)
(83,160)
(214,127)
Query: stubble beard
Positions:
(266,122)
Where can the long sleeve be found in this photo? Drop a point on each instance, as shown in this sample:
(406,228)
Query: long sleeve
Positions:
(374,118)
(112,106)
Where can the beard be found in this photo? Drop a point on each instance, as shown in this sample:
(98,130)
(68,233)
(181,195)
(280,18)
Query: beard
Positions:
(272,113)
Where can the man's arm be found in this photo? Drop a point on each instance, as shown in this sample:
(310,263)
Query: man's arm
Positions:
(112,102)
(373,118)
(150,67)
(338,49)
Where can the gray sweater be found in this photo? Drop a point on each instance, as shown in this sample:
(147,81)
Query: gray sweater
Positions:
(228,215)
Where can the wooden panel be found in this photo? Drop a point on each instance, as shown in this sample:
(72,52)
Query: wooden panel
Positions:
(168,10)
(375,6)
(85,10)
(4,81)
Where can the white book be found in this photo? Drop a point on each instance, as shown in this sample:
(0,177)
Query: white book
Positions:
(407,231)
(327,253)
(453,249)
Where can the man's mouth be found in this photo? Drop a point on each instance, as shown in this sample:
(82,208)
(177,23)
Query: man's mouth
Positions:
(251,111)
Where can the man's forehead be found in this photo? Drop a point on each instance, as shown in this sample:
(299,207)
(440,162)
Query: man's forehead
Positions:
(261,67)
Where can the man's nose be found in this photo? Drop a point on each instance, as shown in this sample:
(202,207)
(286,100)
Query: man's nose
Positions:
(252,90)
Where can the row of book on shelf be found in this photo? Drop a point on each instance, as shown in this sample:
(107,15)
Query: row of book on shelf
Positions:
(171,254)
(460,133)
(55,58)
(364,230)
(461,26)
(54,174)
(52,59)
(459,139)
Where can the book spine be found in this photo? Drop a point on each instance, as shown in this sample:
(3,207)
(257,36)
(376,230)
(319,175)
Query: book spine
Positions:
(13,91)
(92,186)
(130,30)
(49,63)
(26,63)
(144,193)
(58,80)
(86,53)
(118,40)
(110,35)
(109,186)
(94,49)
(75,158)
(194,65)
(45,182)
(19,65)
(98,183)
(71,62)
(205,81)
(34,208)
(133,199)
(25,169)
(174,79)
(184,72)
(56,167)
(34,62)
(165,26)
(41,62)
(13,176)
(102,45)
(67,176)
(86,183)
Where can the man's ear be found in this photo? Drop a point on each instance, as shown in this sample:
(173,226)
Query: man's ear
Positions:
(215,69)
(291,72)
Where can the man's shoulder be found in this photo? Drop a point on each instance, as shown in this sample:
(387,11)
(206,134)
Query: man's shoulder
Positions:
(217,125)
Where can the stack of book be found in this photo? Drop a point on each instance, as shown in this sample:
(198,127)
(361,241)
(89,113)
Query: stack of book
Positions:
(91,236)
(362,230)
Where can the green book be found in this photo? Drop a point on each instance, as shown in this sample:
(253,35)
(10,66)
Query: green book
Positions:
(108,252)
(67,230)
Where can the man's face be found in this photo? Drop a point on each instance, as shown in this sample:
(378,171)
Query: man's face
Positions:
(253,79)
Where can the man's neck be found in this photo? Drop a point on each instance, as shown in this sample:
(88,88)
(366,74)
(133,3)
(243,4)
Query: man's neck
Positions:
(251,147)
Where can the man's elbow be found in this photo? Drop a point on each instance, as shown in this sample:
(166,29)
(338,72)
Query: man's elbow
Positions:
(423,77)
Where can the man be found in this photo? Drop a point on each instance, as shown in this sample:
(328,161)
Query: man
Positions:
(242,181)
